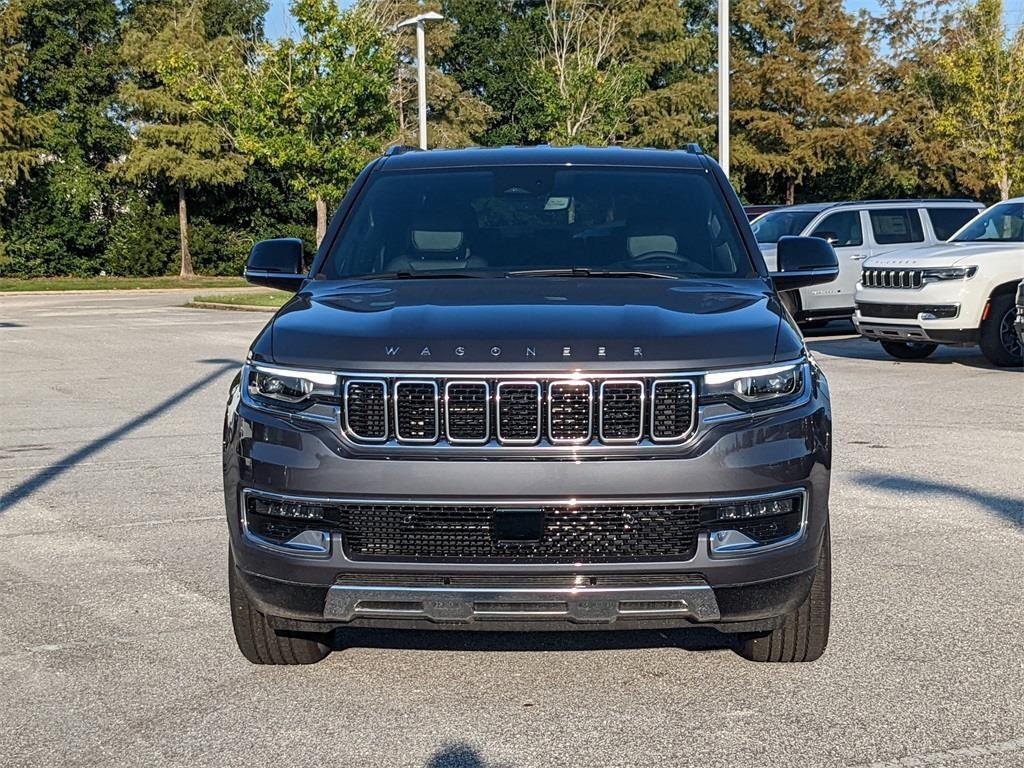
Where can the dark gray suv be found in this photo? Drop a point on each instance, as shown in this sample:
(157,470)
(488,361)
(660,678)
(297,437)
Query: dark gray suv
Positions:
(531,388)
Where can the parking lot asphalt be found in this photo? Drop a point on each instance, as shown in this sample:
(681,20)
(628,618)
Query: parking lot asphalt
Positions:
(115,638)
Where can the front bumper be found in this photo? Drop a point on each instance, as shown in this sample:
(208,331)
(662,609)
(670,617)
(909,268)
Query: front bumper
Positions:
(757,456)
(946,313)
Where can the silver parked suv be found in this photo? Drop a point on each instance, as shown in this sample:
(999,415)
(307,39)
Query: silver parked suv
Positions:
(857,230)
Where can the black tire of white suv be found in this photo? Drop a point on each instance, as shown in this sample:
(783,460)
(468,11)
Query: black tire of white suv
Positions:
(804,632)
(998,340)
(909,350)
(256,636)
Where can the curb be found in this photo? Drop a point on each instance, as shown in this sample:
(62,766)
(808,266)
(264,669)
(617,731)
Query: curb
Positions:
(132,291)
(229,307)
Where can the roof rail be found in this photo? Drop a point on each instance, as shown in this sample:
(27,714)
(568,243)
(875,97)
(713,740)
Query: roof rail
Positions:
(917,200)
(694,148)
(400,149)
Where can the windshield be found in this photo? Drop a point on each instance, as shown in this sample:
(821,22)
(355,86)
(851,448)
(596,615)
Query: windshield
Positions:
(770,227)
(500,220)
(1003,223)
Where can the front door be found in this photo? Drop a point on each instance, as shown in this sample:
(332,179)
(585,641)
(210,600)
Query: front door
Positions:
(845,230)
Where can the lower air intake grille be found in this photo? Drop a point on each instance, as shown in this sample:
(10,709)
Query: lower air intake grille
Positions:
(672,409)
(416,411)
(585,534)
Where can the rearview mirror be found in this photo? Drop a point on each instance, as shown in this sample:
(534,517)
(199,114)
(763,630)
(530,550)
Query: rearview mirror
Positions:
(276,263)
(804,261)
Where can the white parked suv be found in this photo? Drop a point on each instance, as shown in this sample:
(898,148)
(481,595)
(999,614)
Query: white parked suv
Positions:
(959,293)
(857,231)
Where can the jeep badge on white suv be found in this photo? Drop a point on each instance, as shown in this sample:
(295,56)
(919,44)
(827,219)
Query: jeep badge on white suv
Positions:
(959,293)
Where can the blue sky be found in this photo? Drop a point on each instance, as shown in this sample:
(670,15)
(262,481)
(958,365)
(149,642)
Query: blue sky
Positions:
(278,19)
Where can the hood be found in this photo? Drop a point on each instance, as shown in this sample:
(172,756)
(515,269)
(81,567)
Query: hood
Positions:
(942,255)
(551,323)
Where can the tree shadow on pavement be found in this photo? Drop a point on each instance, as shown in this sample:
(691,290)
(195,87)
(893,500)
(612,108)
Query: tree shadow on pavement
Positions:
(48,474)
(460,756)
(1010,508)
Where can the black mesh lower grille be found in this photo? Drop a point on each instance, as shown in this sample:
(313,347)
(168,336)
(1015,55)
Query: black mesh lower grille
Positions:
(671,409)
(366,409)
(416,415)
(467,404)
(570,405)
(586,534)
(622,411)
(519,412)
(907,311)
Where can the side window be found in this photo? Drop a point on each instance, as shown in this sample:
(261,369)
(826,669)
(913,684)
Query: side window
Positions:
(896,225)
(841,228)
(946,221)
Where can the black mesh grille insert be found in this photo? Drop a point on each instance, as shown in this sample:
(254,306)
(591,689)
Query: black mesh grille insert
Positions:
(585,534)
(519,412)
(671,409)
(366,409)
(467,404)
(416,411)
(906,311)
(622,410)
(569,410)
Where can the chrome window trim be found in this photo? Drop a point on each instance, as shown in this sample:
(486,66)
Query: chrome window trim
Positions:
(693,410)
(437,422)
(487,413)
(600,412)
(344,407)
(513,441)
(590,412)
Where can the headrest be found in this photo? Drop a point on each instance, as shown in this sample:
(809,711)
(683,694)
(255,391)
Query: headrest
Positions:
(438,232)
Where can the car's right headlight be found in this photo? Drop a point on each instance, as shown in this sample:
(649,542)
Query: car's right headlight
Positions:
(289,386)
(936,274)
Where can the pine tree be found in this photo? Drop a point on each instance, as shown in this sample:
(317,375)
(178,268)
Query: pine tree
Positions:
(175,143)
(800,89)
(20,131)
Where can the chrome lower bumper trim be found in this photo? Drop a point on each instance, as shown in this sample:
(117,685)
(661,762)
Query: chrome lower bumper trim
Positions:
(581,605)
(885,331)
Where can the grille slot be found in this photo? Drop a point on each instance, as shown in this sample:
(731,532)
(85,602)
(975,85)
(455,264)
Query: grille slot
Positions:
(366,410)
(892,278)
(622,411)
(467,412)
(672,409)
(583,534)
(570,411)
(518,412)
(416,408)
(907,311)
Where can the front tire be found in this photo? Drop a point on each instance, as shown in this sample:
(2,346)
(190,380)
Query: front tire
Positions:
(257,639)
(998,340)
(909,350)
(803,635)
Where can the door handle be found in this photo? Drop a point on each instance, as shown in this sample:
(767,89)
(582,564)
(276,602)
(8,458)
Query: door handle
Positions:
(858,256)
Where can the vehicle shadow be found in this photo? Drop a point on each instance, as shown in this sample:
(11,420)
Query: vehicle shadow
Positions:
(48,474)
(1010,508)
(691,639)
(460,756)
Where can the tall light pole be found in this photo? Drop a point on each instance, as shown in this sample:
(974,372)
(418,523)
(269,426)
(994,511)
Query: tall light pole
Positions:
(421,66)
(723,85)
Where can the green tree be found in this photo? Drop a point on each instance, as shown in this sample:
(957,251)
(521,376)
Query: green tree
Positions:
(801,91)
(584,81)
(980,93)
(176,142)
(20,131)
(318,108)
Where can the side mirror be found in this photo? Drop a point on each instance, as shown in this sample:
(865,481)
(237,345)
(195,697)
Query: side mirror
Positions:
(804,261)
(276,263)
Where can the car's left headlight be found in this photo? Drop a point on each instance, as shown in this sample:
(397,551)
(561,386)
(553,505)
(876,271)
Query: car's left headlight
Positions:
(935,274)
(755,386)
(289,386)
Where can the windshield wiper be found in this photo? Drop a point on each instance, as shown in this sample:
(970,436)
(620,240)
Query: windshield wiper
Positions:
(587,272)
(404,275)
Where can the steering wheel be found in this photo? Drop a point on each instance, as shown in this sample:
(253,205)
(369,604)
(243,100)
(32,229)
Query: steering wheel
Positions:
(671,256)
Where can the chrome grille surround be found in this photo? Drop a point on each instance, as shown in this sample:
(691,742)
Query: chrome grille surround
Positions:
(520,411)
(892,278)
